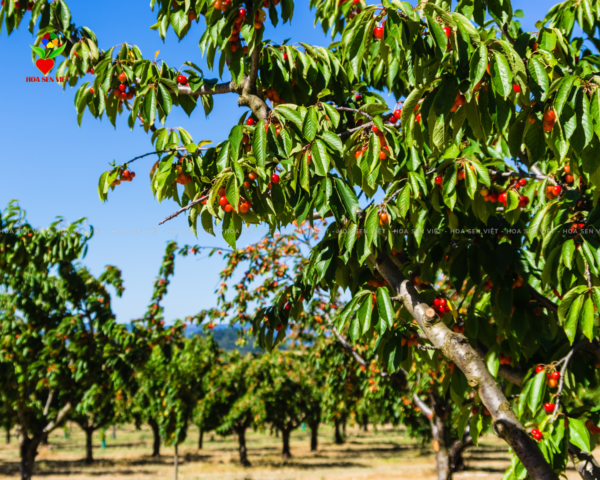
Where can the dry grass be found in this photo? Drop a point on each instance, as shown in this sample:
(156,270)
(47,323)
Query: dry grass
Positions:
(382,455)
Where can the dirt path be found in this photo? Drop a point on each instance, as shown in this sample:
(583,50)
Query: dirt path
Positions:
(383,455)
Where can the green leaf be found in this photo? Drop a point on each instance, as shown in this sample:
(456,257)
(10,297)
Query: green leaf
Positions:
(567,253)
(259,143)
(309,129)
(371,225)
(347,312)
(541,82)
(472,110)
(478,65)
(150,107)
(403,201)
(563,94)
(409,105)
(333,114)
(232,192)
(501,74)
(512,200)
(165,99)
(320,157)
(385,309)
(492,360)
(207,221)
(290,115)
(333,141)
(587,319)
(578,434)
(573,318)
(538,389)
(438,35)
(348,198)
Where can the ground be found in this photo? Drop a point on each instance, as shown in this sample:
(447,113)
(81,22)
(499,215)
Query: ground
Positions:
(384,454)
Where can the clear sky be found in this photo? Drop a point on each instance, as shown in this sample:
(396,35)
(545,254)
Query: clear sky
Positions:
(51,166)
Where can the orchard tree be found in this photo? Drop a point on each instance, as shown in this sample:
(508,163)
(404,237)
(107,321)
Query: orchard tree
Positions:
(230,401)
(58,331)
(487,169)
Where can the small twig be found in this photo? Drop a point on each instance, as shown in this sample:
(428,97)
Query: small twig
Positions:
(563,371)
(588,274)
(348,109)
(187,207)
(542,300)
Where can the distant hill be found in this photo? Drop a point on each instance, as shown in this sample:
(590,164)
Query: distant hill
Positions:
(226,337)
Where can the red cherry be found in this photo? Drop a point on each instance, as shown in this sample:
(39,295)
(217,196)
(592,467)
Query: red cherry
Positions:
(437,302)
(92,90)
(418,119)
(223,201)
(549,407)
(288,306)
(250,122)
(378,32)
(398,113)
(539,369)
(275,178)
(493,197)
(556,190)
(242,12)
(443,302)
(375,129)
(122,87)
(438,180)
(502,197)
(554,375)
(516,88)
(182,79)
(522,182)
(279,327)
(358,97)
(523,201)
(447,31)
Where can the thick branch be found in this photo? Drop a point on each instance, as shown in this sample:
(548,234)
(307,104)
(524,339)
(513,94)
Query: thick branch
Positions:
(585,463)
(456,348)
(59,418)
(423,406)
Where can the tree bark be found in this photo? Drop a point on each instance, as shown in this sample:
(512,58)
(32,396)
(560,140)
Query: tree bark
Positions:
(200,438)
(241,433)
(156,432)
(89,454)
(28,449)
(457,349)
(285,435)
(175,464)
(344,426)
(457,462)
(314,436)
(7,435)
(585,463)
(365,422)
(339,440)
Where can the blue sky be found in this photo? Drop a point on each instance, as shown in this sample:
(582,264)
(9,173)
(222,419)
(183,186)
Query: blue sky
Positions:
(51,166)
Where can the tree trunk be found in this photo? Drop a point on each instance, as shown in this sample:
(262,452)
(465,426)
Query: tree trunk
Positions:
(200,437)
(339,440)
(241,433)
(175,465)
(28,453)
(585,463)
(285,434)
(365,422)
(276,432)
(344,426)
(7,435)
(314,436)
(156,432)
(89,455)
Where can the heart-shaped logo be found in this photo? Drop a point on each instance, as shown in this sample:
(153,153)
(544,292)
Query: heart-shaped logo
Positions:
(45,65)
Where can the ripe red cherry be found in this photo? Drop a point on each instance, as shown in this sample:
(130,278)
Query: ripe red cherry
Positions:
(375,129)
(523,201)
(223,201)
(539,369)
(275,178)
(493,197)
(554,375)
(502,197)
(516,88)
(92,90)
(549,407)
(537,434)
(569,178)
(437,302)
(438,180)
(522,182)
(398,113)
(358,97)
(122,87)
(221,192)
(447,31)
(418,119)
(122,77)
(378,32)
(288,306)
(250,122)
(279,327)
(182,79)
(242,12)
(556,190)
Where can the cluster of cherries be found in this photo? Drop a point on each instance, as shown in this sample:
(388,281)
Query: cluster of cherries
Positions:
(535,433)
(243,207)
(505,359)
(502,196)
(123,91)
(591,427)
(412,341)
(355,8)
(182,80)
(440,305)
(18,5)
(553,191)
(235,33)
(126,176)
(395,118)
(553,376)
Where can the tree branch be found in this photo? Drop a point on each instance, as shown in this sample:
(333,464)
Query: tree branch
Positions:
(565,363)
(187,207)
(457,349)
(48,402)
(59,418)
(423,406)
